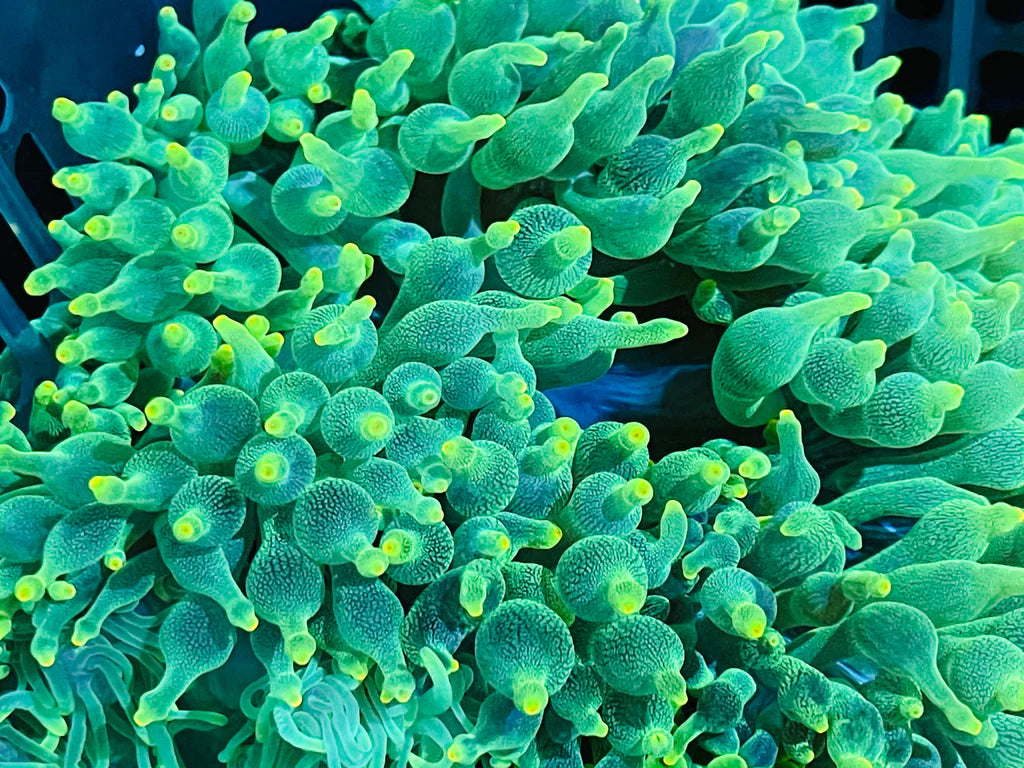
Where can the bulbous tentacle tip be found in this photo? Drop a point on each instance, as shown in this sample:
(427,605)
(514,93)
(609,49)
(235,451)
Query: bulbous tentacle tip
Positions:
(749,621)
(1010,693)
(243,617)
(159,410)
(376,426)
(715,472)
(86,305)
(551,537)
(300,648)
(912,709)
(258,326)
(280,425)
(317,93)
(83,633)
(533,703)
(238,81)
(496,544)
(115,559)
(599,729)
(626,596)
(60,180)
(29,589)
(145,715)
(500,233)
(616,33)
(591,81)
(852,197)
(187,529)
(323,28)
(358,670)
(107,489)
(401,59)
(39,282)
(657,743)
(165,62)
(292,127)
(456,753)
(271,469)
(639,491)
(685,195)
(45,657)
(712,134)
(758,41)
(70,352)
(734,487)
(398,686)
(948,395)
(222,324)
(99,227)
(881,587)
(242,11)
(59,591)
(153,87)
(177,155)
(739,10)
(65,110)
(903,186)
(964,720)
(393,545)
(175,335)
(635,435)
(659,66)
(576,241)
(372,563)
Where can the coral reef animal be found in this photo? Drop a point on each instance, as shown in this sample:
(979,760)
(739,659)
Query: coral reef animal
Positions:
(296,496)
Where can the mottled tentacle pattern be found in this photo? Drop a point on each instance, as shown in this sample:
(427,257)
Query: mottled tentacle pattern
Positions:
(296,496)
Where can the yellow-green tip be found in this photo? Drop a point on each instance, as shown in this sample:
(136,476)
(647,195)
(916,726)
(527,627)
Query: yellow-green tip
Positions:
(530,697)
(372,563)
(375,426)
(749,621)
(626,596)
(65,110)
(29,589)
(184,236)
(318,93)
(300,648)
(99,227)
(177,156)
(271,468)
(115,560)
(635,435)
(107,489)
